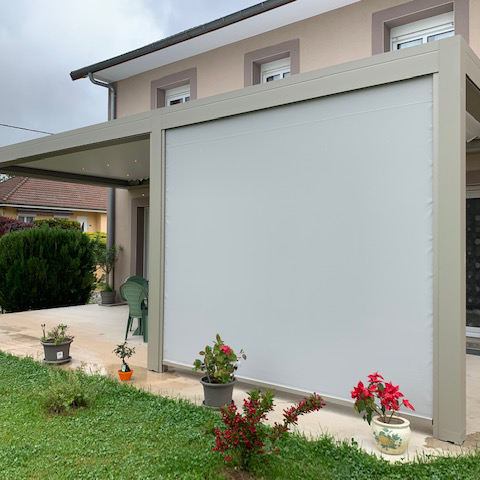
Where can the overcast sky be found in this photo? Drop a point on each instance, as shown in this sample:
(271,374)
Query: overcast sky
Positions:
(41,42)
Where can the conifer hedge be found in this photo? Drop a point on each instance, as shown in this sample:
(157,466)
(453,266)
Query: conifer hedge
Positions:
(45,268)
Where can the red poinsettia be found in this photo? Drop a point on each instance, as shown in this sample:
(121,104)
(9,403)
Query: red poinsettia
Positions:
(388,394)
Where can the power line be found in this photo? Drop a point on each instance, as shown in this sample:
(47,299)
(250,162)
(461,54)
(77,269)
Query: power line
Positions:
(23,128)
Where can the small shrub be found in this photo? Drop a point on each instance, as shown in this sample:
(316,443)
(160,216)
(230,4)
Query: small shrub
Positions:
(67,391)
(8,224)
(244,437)
(45,268)
(58,222)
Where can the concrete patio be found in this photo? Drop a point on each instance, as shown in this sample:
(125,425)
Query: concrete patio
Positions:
(98,330)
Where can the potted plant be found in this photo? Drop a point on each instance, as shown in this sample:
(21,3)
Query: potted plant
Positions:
(56,344)
(106,259)
(390,432)
(219,364)
(123,351)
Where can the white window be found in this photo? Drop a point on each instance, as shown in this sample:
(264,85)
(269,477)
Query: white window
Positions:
(177,95)
(423,31)
(26,218)
(275,70)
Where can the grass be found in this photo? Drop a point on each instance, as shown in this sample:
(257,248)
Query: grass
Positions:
(128,434)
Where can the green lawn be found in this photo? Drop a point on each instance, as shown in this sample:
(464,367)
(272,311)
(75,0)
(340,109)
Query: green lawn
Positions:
(129,434)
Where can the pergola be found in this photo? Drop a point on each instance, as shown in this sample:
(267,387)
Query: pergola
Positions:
(424,92)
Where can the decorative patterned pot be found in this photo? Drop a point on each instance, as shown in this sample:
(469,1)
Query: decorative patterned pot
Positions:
(391,438)
(217,394)
(125,376)
(57,354)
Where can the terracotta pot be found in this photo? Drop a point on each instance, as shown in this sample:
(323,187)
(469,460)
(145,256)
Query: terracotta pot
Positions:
(217,394)
(125,376)
(391,438)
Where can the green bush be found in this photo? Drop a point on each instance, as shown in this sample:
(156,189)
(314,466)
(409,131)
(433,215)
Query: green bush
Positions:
(102,238)
(58,222)
(45,268)
(67,391)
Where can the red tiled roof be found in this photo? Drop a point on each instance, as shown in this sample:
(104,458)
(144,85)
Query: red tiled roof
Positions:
(49,193)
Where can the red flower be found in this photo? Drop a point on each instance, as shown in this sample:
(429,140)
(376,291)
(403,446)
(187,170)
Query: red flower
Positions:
(375,377)
(358,390)
(407,404)
(226,349)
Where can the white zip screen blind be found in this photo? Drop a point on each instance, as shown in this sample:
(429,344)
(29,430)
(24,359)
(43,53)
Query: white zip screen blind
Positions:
(303,234)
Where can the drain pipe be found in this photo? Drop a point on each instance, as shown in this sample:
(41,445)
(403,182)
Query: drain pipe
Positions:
(112,114)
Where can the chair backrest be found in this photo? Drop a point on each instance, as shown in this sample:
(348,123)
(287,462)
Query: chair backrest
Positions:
(138,279)
(134,294)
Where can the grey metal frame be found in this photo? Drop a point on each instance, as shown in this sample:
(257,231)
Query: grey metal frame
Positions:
(449,62)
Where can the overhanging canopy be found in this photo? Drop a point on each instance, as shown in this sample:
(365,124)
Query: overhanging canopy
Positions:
(115,153)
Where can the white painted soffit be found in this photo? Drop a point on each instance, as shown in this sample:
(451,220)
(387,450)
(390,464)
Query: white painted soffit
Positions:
(264,22)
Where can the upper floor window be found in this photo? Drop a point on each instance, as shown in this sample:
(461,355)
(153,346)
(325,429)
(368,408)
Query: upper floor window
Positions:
(275,70)
(422,31)
(177,95)
(173,89)
(272,63)
(419,21)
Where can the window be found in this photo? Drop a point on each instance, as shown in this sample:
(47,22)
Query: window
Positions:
(174,89)
(272,63)
(400,26)
(177,95)
(422,31)
(26,218)
(275,70)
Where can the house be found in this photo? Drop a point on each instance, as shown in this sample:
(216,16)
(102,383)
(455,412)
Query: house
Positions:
(295,177)
(30,199)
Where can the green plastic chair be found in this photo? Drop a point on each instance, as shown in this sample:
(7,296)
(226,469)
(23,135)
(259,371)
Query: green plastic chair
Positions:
(138,279)
(136,296)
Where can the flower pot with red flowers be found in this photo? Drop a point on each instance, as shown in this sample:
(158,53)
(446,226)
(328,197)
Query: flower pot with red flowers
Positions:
(219,365)
(124,351)
(390,431)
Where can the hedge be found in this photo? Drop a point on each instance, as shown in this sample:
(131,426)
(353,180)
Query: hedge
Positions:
(45,268)
(58,222)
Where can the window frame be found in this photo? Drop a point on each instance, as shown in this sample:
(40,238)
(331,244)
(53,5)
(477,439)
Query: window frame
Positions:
(422,30)
(181,93)
(278,67)
(384,20)
(159,87)
(253,61)
(22,216)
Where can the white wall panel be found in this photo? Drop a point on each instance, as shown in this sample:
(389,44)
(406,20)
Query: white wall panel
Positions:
(304,235)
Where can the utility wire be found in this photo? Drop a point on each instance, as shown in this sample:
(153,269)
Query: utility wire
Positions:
(27,129)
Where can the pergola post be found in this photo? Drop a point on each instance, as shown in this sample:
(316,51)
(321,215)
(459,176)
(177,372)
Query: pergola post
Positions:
(156,242)
(449,416)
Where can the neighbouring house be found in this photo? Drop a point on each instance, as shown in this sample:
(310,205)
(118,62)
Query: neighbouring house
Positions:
(30,199)
(296,176)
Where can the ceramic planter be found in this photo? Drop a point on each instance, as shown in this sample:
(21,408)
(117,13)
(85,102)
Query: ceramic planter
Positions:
(125,376)
(57,354)
(108,297)
(217,394)
(391,438)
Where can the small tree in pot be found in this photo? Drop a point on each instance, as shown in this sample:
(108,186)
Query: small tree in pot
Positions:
(56,344)
(123,351)
(106,259)
(219,365)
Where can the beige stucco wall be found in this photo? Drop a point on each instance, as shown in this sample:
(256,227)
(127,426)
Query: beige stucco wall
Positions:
(97,221)
(123,233)
(335,37)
